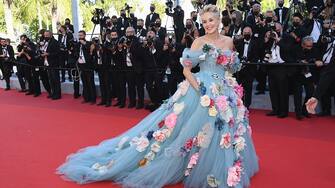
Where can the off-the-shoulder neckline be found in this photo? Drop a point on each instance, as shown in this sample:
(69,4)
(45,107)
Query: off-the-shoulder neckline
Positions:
(200,49)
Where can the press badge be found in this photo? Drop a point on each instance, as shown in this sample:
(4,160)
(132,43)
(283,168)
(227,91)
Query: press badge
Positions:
(307,75)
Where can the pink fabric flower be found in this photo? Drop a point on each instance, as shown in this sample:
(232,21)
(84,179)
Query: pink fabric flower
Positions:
(225,140)
(159,136)
(222,60)
(189,144)
(187,63)
(231,122)
(171,120)
(234,175)
(193,161)
(221,103)
(239,90)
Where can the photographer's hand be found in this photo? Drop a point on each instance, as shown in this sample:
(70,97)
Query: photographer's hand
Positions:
(319,63)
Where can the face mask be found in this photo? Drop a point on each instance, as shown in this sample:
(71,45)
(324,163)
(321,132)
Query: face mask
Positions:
(268,19)
(81,38)
(67,23)
(114,22)
(194,19)
(152,9)
(233,19)
(188,26)
(139,27)
(130,37)
(158,24)
(295,24)
(247,36)
(46,38)
(280,5)
(123,15)
(109,24)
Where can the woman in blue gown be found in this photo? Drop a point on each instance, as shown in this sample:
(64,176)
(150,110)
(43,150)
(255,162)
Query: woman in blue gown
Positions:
(200,136)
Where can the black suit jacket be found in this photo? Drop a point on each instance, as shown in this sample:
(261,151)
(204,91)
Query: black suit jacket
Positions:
(86,52)
(121,27)
(257,29)
(284,14)
(149,21)
(53,51)
(161,33)
(10,51)
(69,38)
(142,33)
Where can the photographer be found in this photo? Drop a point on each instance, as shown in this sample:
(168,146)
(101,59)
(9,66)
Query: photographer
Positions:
(69,26)
(83,58)
(160,31)
(308,53)
(235,29)
(151,56)
(6,61)
(178,19)
(72,63)
(313,25)
(101,65)
(50,54)
(190,33)
(64,40)
(110,46)
(278,49)
(172,66)
(122,23)
(326,45)
(26,53)
(249,52)
(152,17)
(140,31)
(256,20)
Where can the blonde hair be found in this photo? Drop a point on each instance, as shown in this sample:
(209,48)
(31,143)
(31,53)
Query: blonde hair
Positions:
(210,9)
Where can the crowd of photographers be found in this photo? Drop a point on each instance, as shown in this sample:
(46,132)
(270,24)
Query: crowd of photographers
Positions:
(135,54)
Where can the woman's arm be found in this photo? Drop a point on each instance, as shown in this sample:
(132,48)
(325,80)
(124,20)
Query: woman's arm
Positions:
(187,68)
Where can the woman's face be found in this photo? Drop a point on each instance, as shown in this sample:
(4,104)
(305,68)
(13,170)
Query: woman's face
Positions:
(210,22)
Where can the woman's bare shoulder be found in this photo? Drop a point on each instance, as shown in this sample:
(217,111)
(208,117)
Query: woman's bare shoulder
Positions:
(227,42)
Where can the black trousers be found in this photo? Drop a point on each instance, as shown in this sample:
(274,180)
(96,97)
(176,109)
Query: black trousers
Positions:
(261,75)
(300,83)
(115,85)
(6,69)
(139,84)
(54,81)
(278,86)
(63,60)
(89,90)
(37,75)
(28,74)
(152,86)
(245,77)
(105,88)
(20,76)
(127,79)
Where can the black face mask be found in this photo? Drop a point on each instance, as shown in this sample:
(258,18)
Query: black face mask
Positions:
(114,22)
(268,19)
(247,36)
(67,23)
(280,5)
(123,15)
(188,26)
(307,50)
(152,9)
(130,37)
(139,27)
(296,24)
(81,38)
(46,38)
(109,24)
(194,19)
(157,24)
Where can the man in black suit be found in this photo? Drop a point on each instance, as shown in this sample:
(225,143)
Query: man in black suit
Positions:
(160,31)
(178,22)
(101,60)
(151,56)
(237,25)
(82,54)
(64,39)
(304,78)
(6,61)
(140,31)
(279,51)
(152,17)
(282,13)
(313,25)
(249,52)
(122,23)
(256,20)
(69,26)
(51,59)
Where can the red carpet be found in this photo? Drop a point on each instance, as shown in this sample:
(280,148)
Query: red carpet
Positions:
(37,134)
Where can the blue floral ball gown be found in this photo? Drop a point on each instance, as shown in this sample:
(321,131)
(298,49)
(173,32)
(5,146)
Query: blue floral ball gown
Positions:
(201,138)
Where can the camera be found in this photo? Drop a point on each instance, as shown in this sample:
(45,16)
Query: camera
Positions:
(150,41)
(127,7)
(169,4)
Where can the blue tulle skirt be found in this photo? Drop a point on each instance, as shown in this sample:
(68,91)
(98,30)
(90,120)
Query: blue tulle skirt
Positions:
(200,138)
